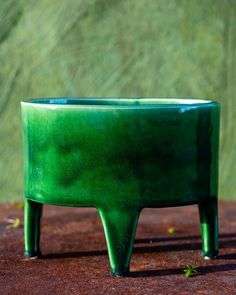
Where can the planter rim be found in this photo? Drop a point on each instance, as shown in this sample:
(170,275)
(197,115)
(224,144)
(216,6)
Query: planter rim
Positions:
(117,103)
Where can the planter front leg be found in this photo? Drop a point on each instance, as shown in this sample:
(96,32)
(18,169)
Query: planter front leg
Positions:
(208,212)
(32,216)
(120,228)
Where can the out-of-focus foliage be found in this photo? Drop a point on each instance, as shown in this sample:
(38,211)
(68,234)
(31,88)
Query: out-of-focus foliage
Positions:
(153,48)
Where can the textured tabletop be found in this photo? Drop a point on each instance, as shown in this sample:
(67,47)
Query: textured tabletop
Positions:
(75,259)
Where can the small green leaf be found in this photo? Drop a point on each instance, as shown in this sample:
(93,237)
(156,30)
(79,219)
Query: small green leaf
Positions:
(15,223)
(20,206)
(190,270)
(171,230)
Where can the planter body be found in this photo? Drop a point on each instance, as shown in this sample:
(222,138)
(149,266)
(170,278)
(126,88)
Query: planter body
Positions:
(120,156)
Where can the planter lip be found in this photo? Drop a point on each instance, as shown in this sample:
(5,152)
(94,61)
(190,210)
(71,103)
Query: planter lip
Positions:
(119,102)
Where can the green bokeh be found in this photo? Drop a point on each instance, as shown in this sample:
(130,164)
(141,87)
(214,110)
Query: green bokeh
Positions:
(128,48)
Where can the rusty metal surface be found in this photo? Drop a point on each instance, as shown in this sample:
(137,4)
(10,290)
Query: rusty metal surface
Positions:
(75,258)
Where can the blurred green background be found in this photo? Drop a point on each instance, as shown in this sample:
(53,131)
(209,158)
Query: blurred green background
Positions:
(130,48)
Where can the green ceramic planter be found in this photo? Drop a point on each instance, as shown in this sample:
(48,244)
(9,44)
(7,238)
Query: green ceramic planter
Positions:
(120,156)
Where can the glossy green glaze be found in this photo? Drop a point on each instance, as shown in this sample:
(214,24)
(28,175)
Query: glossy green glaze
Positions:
(120,156)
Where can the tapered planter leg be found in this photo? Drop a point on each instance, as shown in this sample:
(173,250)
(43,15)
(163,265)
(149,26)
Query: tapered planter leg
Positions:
(208,212)
(32,216)
(120,227)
